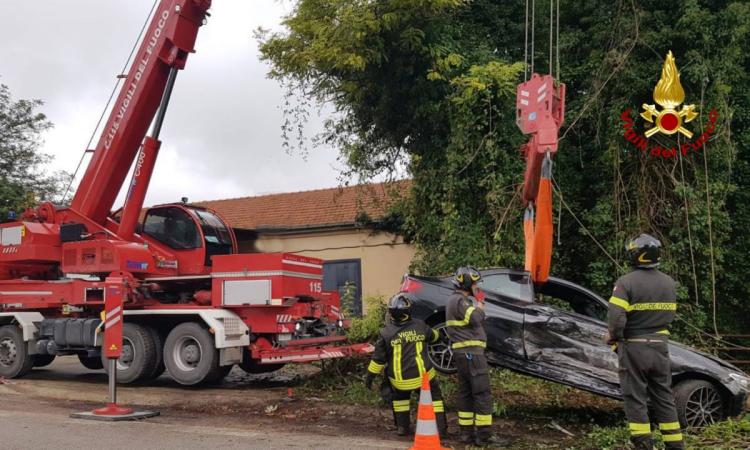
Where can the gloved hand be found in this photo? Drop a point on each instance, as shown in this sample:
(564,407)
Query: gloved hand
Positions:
(368,380)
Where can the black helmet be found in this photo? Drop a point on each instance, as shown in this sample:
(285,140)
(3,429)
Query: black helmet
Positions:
(643,251)
(466,277)
(399,307)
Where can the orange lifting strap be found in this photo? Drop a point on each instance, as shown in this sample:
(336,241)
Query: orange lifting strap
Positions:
(539,247)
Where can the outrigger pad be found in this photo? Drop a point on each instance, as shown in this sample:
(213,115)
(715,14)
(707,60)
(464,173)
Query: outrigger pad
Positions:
(136,415)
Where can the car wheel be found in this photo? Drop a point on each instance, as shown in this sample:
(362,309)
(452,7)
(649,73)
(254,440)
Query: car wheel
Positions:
(190,355)
(138,354)
(15,360)
(440,353)
(699,403)
(43,360)
(91,362)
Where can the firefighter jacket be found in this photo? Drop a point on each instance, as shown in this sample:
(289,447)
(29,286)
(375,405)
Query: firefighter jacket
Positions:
(402,352)
(464,325)
(643,302)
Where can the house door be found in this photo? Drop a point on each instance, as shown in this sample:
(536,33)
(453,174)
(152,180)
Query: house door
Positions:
(345,275)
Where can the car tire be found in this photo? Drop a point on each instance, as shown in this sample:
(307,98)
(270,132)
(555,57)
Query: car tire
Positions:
(138,354)
(190,355)
(15,360)
(699,403)
(91,362)
(43,360)
(159,366)
(440,353)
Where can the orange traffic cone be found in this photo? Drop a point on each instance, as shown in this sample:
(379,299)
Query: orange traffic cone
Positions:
(426,436)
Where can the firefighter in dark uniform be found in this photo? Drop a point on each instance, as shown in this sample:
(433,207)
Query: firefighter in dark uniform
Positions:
(402,352)
(642,306)
(464,317)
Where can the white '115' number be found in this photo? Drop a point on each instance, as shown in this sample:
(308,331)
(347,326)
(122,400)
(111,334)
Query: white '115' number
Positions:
(316,286)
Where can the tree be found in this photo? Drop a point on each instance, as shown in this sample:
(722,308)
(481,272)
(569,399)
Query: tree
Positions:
(431,83)
(23,181)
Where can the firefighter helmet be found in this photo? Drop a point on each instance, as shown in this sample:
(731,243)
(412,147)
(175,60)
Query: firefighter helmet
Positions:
(643,251)
(466,277)
(399,307)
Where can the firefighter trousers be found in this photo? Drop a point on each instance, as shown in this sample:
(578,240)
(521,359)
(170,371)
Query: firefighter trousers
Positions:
(474,394)
(401,406)
(645,374)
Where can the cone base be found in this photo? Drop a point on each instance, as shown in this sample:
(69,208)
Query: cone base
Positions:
(114,413)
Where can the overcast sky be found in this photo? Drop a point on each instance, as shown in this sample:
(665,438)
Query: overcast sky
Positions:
(221,137)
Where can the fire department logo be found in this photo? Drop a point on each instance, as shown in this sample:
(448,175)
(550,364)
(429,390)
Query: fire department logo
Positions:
(668,118)
(669,94)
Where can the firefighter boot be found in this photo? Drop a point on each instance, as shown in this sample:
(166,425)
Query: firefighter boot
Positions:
(466,435)
(403,423)
(642,442)
(485,438)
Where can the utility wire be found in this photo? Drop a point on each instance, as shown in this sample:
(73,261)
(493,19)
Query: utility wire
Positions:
(526,45)
(111,96)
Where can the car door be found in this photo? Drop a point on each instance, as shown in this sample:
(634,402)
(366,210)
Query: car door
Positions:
(506,295)
(563,337)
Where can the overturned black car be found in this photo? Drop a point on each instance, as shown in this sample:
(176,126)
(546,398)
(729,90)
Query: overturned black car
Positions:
(555,332)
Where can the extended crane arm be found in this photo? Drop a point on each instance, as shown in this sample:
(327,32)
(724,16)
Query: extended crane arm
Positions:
(169,39)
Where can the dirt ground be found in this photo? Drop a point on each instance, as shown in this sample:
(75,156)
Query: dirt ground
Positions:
(271,405)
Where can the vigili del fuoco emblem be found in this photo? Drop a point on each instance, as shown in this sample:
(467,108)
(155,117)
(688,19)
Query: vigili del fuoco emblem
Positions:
(669,94)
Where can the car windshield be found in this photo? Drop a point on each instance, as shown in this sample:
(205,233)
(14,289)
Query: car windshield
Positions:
(516,286)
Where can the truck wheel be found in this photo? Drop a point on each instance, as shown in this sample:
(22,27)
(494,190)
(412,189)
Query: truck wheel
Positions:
(43,360)
(138,354)
(159,347)
(251,365)
(190,355)
(91,362)
(699,403)
(15,360)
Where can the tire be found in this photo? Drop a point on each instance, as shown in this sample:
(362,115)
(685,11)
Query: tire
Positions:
(138,354)
(43,360)
(91,362)
(250,365)
(190,355)
(440,353)
(159,366)
(15,360)
(699,403)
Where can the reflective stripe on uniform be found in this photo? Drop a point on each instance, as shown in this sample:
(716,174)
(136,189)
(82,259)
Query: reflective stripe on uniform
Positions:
(461,323)
(464,344)
(420,361)
(663,332)
(620,302)
(411,383)
(397,363)
(639,428)
(375,367)
(438,406)
(671,437)
(401,405)
(465,418)
(435,336)
(483,420)
(669,426)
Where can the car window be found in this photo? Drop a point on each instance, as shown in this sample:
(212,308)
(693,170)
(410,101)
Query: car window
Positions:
(513,285)
(569,299)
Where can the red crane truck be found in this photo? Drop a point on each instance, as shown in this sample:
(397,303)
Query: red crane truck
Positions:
(193,305)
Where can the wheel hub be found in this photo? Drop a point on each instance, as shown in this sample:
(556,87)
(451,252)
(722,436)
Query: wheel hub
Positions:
(187,354)
(191,354)
(127,356)
(8,352)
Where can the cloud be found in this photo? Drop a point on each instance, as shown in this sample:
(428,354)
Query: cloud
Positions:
(222,131)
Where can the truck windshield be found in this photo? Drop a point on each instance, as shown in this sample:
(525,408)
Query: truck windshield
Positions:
(173,227)
(217,235)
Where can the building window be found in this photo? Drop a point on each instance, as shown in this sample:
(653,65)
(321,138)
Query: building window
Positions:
(340,275)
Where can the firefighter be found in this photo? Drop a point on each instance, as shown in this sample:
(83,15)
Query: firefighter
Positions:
(642,306)
(464,321)
(402,352)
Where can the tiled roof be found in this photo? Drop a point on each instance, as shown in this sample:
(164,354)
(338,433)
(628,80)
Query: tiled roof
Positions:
(310,209)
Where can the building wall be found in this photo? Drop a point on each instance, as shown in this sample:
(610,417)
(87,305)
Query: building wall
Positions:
(385,258)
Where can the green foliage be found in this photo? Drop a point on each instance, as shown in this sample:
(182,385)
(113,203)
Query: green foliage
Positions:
(430,84)
(367,327)
(22,180)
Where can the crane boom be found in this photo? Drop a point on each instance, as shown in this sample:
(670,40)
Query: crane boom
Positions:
(169,39)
